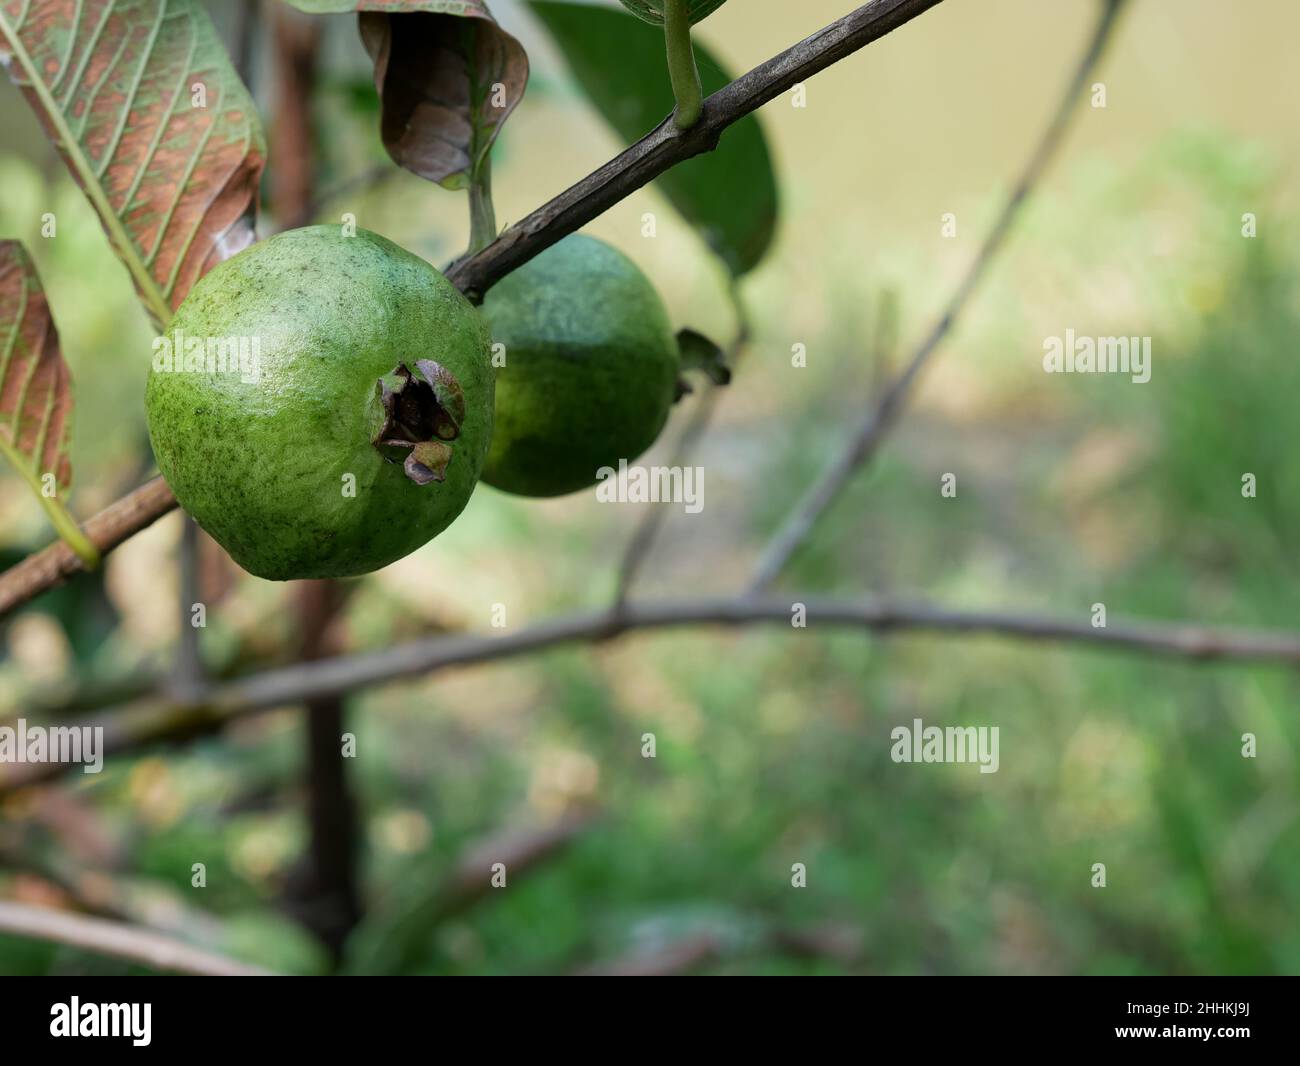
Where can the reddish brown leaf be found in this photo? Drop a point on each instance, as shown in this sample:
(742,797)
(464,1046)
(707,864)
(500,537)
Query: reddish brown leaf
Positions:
(448,77)
(35,388)
(115,83)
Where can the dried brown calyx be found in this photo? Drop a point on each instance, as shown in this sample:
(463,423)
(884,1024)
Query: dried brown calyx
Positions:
(417,416)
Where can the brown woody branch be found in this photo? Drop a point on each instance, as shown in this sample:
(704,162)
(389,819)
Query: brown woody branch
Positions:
(54,565)
(159,718)
(666,145)
(469,881)
(839,942)
(120,941)
(650,157)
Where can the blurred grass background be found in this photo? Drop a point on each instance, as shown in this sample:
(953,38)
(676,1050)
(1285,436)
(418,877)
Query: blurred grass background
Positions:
(773,746)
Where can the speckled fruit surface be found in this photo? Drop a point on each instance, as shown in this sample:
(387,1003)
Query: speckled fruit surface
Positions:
(590,371)
(278,464)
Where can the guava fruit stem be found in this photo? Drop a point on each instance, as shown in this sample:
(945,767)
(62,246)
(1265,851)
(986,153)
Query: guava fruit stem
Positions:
(482,215)
(682,71)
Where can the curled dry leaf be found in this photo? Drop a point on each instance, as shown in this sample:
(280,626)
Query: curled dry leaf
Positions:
(151,118)
(448,77)
(35,388)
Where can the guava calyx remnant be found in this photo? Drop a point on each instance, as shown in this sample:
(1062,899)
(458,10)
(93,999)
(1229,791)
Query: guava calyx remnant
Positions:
(417,418)
(697,352)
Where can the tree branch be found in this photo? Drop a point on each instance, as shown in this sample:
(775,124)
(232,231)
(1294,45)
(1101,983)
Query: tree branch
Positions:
(654,154)
(54,565)
(358,183)
(321,891)
(838,942)
(187,670)
(159,718)
(864,442)
(120,941)
(666,145)
(467,882)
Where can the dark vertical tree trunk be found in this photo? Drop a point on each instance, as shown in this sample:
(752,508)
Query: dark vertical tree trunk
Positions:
(297,46)
(322,892)
(325,896)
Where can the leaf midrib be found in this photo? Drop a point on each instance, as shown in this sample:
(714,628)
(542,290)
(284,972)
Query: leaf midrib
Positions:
(153,295)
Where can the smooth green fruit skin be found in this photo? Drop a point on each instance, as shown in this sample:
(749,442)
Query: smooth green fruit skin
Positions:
(262,466)
(590,371)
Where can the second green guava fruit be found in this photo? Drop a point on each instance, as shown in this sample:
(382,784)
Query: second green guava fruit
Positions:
(355,429)
(590,372)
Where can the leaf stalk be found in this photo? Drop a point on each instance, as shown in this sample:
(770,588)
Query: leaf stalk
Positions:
(482,214)
(682,70)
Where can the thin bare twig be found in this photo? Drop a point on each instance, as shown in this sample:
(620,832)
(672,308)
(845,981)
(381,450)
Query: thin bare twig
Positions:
(120,941)
(363,182)
(642,539)
(658,152)
(470,880)
(864,442)
(518,849)
(683,955)
(187,671)
(686,954)
(158,718)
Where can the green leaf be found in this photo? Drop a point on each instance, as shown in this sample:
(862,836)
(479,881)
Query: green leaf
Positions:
(448,77)
(729,195)
(35,393)
(652,11)
(143,104)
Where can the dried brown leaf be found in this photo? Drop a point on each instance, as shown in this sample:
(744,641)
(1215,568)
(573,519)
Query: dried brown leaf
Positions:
(448,77)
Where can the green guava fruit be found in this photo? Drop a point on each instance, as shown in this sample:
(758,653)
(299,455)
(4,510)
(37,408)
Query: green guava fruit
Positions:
(590,371)
(323,403)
